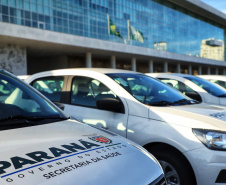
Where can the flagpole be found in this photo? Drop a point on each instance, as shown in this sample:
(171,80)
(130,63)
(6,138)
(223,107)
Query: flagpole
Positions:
(129,32)
(128,29)
(108,24)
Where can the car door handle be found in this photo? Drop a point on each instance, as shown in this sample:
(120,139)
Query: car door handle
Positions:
(106,128)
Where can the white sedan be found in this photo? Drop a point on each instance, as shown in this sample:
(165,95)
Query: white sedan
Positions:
(187,137)
(40,145)
(194,87)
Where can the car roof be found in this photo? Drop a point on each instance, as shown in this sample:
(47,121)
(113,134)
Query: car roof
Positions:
(99,70)
(171,74)
(210,76)
(214,77)
(23,77)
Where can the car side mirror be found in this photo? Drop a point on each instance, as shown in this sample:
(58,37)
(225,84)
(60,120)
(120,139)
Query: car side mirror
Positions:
(110,104)
(194,95)
(59,105)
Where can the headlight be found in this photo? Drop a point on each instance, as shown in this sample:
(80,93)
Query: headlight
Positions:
(212,139)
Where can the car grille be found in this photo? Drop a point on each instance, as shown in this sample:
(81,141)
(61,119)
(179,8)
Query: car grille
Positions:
(159,181)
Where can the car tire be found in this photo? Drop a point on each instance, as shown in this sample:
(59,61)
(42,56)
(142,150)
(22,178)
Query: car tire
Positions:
(175,166)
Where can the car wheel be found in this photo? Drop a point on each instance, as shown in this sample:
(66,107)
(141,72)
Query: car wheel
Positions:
(175,166)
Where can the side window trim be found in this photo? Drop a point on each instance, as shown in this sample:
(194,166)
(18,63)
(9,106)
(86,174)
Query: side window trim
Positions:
(68,89)
(65,93)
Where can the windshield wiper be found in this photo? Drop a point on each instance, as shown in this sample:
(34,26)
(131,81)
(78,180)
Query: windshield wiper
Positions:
(222,95)
(182,102)
(161,103)
(179,102)
(186,102)
(16,119)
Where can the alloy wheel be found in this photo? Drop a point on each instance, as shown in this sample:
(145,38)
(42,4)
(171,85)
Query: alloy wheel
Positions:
(172,177)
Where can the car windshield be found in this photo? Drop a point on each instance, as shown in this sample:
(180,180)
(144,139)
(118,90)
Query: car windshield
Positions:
(150,91)
(211,88)
(20,104)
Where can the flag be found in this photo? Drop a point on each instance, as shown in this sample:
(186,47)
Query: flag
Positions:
(112,29)
(136,34)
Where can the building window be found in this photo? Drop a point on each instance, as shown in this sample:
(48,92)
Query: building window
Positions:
(157,24)
(41,25)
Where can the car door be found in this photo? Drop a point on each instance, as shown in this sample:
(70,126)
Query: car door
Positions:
(81,104)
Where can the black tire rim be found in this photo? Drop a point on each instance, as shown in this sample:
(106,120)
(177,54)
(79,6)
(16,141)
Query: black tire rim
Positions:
(172,177)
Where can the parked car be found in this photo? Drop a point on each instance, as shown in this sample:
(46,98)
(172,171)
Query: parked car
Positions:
(218,79)
(41,145)
(187,137)
(194,87)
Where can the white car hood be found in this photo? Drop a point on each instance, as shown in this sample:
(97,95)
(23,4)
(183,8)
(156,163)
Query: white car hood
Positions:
(44,155)
(194,116)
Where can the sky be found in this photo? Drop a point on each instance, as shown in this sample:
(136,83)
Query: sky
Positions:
(218,4)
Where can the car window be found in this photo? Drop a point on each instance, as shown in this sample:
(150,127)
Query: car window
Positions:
(19,101)
(183,88)
(211,88)
(219,82)
(5,90)
(148,90)
(86,91)
(177,85)
(51,87)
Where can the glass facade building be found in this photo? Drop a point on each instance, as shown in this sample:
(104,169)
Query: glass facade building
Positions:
(156,24)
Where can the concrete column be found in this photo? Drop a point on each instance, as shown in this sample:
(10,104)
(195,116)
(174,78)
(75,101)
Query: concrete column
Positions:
(190,69)
(133,63)
(224,72)
(88,60)
(151,66)
(113,62)
(208,71)
(178,68)
(217,72)
(200,70)
(165,67)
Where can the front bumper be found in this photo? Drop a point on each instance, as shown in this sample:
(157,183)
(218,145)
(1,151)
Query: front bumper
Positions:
(209,166)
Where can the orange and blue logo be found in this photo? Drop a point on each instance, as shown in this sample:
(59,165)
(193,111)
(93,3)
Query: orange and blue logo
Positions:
(101,139)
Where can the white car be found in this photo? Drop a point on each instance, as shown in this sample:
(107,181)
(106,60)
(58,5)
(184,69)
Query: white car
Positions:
(187,137)
(40,145)
(218,79)
(194,87)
